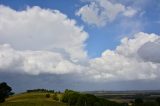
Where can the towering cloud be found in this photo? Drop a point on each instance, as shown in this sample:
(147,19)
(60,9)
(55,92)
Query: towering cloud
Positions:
(42,29)
(128,60)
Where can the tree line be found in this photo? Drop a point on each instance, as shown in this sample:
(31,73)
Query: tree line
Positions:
(141,102)
(41,90)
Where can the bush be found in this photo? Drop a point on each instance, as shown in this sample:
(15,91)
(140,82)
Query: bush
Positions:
(55,97)
(48,95)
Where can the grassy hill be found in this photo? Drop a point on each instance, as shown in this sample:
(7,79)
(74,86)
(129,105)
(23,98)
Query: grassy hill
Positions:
(32,99)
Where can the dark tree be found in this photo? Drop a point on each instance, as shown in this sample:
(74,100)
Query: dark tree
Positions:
(5,91)
(73,97)
(81,100)
(97,104)
(138,100)
(158,100)
(91,99)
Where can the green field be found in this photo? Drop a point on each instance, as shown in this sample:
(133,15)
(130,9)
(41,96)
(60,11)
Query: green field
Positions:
(32,99)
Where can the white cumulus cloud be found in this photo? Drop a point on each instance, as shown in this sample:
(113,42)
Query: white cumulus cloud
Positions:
(42,41)
(125,63)
(42,29)
(35,62)
(101,12)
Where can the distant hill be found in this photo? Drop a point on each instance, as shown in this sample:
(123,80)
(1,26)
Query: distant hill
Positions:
(124,92)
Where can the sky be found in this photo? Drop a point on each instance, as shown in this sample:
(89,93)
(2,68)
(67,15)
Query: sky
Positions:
(80,44)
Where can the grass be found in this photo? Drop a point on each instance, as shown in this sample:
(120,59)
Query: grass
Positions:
(32,99)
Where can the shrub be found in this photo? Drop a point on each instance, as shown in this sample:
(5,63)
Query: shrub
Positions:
(48,95)
(55,97)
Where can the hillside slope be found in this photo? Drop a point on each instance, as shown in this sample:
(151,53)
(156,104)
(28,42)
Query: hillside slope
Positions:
(31,99)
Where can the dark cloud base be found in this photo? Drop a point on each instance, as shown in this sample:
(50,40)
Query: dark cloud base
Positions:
(22,82)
